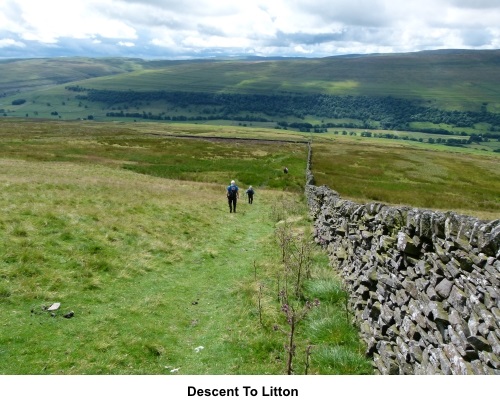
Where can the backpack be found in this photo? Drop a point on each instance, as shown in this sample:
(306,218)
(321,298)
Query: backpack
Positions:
(231,191)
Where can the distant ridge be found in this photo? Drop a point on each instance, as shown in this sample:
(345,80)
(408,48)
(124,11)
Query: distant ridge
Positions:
(448,79)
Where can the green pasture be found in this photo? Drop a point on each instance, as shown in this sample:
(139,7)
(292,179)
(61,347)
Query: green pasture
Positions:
(28,74)
(157,153)
(449,82)
(127,227)
(159,277)
(420,140)
(460,80)
(412,174)
(44,105)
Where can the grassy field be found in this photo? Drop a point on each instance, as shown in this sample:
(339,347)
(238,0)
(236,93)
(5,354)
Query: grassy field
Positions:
(364,169)
(29,74)
(412,174)
(160,278)
(153,150)
(127,226)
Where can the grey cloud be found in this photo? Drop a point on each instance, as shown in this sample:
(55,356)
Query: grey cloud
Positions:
(476,38)
(12,11)
(283,39)
(109,47)
(142,16)
(316,26)
(172,15)
(104,47)
(476,4)
(186,8)
(371,13)
(210,30)
(346,35)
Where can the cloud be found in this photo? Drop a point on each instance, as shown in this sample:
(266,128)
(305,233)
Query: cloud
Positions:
(7,42)
(126,44)
(477,4)
(358,13)
(197,28)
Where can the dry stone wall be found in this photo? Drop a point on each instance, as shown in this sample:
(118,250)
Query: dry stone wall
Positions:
(424,286)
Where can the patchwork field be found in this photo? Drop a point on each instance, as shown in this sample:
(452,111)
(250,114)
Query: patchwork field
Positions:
(411,174)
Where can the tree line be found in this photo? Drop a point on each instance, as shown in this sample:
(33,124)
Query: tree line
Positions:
(389,112)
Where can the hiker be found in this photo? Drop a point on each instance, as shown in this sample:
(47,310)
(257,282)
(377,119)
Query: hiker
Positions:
(250,192)
(232,196)
(285,170)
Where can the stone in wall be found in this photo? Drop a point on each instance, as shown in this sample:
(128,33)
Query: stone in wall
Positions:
(424,286)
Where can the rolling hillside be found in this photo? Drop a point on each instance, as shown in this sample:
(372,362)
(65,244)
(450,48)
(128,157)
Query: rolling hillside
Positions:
(454,90)
(459,78)
(21,75)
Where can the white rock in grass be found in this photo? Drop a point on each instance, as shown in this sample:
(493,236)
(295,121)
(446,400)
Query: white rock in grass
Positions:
(54,306)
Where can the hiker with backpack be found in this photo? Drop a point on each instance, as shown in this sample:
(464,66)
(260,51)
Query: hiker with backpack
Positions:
(232,196)
(250,192)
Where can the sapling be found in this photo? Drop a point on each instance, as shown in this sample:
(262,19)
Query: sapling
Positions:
(293,317)
(261,287)
(308,358)
(296,259)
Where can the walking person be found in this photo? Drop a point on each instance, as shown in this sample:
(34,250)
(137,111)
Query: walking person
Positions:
(250,192)
(232,196)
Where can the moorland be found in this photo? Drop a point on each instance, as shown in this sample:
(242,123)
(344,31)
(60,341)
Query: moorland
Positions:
(113,174)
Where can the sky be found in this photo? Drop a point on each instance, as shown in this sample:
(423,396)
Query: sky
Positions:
(187,29)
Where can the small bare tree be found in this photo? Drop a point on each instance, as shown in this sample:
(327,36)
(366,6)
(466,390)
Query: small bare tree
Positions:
(293,317)
(296,257)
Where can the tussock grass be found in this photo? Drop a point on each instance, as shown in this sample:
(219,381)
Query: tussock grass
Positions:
(130,255)
(131,231)
(204,160)
(327,290)
(342,360)
(158,274)
(336,343)
(399,174)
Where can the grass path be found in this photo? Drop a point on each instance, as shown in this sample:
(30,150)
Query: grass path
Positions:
(160,276)
(166,269)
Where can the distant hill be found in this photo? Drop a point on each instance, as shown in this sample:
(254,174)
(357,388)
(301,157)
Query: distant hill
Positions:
(389,90)
(18,75)
(21,75)
(454,79)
